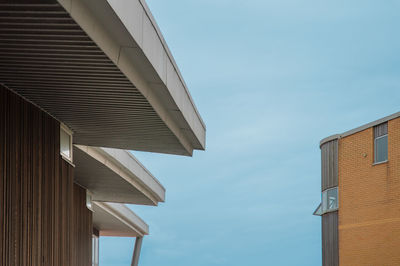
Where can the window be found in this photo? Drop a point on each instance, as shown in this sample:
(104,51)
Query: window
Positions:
(332,195)
(318,211)
(66,143)
(381,143)
(95,250)
(330,200)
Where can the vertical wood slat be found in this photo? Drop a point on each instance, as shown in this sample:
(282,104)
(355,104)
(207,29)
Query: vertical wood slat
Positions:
(330,241)
(43,216)
(2,173)
(83,225)
(329,164)
(329,179)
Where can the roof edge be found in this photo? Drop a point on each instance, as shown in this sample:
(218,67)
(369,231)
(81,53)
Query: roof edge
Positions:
(125,215)
(169,53)
(120,162)
(328,139)
(146,178)
(360,128)
(147,64)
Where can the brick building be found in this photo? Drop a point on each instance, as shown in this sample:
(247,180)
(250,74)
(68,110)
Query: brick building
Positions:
(360,187)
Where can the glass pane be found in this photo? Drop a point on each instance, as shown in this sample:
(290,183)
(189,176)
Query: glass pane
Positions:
(95,250)
(332,199)
(324,201)
(318,211)
(329,201)
(381,149)
(65,140)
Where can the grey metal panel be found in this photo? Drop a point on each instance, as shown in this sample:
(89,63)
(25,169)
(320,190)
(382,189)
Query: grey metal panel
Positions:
(330,239)
(329,164)
(380,130)
(46,57)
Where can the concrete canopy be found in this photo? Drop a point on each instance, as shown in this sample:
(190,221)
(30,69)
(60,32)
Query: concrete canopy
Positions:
(103,69)
(115,176)
(114,219)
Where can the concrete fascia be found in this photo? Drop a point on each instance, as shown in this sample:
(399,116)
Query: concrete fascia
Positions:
(130,169)
(127,33)
(125,216)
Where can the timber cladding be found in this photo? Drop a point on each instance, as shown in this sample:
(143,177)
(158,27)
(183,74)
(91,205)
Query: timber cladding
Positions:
(369,200)
(329,175)
(330,245)
(43,215)
(329,164)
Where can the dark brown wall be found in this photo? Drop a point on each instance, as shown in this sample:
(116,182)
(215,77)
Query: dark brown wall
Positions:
(43,218)
(329,175)
(83,225)
(329,165)
(330,243)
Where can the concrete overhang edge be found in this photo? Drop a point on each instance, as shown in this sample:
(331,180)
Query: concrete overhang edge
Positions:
(124,164)
(125,215)
(117,42)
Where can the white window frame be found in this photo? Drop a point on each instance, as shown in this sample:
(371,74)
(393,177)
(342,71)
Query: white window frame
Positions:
(64,128)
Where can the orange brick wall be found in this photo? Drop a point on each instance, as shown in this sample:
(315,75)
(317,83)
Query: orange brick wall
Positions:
(369,200)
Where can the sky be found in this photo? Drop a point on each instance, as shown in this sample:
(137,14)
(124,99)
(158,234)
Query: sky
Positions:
(270,78)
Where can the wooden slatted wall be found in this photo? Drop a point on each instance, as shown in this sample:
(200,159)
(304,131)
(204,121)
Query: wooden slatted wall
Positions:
(329,164)
(43,219)
(330,233)
(83,225)
(330,241)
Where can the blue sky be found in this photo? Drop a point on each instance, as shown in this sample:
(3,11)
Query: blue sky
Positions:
(270,79)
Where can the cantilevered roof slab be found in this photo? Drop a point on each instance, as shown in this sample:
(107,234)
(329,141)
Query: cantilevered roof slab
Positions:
(103,69)
(114,219)
(114,175)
